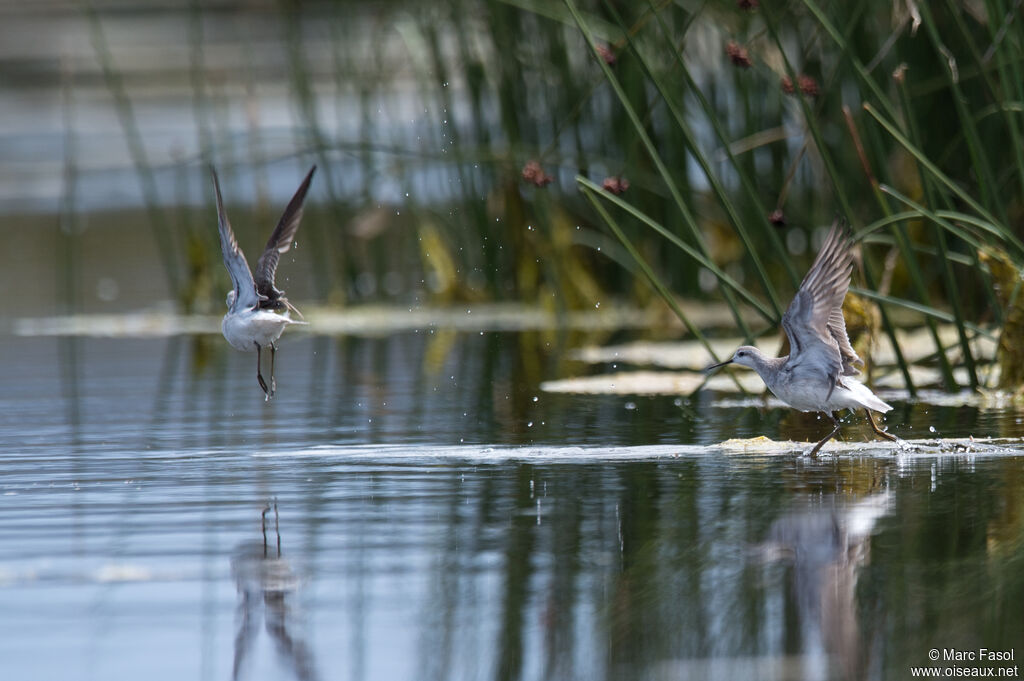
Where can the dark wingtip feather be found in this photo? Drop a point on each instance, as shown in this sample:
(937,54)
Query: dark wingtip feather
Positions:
(280,240)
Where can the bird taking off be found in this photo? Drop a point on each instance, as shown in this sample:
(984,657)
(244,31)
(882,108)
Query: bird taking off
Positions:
(258,311)
(816,375)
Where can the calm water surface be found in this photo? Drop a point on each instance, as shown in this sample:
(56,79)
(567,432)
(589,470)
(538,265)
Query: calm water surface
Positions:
(439,517)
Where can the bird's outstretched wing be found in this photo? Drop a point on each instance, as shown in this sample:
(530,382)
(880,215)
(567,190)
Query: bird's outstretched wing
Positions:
(234,259)
(814,320)
(280,241)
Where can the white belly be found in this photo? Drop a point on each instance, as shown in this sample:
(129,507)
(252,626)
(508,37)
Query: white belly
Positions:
(814,396)
(804,398)
(246,329)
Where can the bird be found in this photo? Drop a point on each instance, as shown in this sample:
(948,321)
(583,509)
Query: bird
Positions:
(817,373)
(258,312)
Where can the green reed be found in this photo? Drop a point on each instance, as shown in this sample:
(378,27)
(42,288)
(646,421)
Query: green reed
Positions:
(162,233)
(964,203)
(724,167)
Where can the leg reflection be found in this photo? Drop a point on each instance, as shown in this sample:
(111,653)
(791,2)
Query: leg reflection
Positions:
(267,582)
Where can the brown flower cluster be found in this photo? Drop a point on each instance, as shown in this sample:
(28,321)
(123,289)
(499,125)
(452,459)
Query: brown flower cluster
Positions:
(807,85)
(606,54)
(535,175)
(738,54)
(615,184)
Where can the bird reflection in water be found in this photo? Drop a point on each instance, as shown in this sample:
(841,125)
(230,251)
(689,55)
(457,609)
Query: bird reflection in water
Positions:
(265,582)
(826,549)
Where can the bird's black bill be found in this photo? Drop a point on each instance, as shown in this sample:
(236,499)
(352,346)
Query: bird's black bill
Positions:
(715,366)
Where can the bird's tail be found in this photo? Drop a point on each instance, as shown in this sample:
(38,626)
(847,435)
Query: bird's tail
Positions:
(867,398)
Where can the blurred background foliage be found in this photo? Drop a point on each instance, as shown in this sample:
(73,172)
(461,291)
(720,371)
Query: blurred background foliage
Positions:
(546,152)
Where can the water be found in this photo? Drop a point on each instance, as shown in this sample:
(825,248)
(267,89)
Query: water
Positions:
(442,518)
(414,505)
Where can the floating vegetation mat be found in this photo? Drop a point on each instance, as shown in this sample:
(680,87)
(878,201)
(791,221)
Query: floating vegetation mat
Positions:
(917,346)
(368,320)
(567,454)
(652,383)
(692,356)
(982,399)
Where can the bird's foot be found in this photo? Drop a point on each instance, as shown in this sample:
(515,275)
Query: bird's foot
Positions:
(880,431)
(888,436)
(273,383)
(263,384)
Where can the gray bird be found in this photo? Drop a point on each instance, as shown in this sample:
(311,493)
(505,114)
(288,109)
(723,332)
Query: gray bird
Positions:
(816,375)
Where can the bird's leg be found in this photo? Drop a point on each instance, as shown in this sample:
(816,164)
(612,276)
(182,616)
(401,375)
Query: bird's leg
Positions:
(263,525)
(259,370)
(879,431)
(277,528)
(814,452)
(273,383)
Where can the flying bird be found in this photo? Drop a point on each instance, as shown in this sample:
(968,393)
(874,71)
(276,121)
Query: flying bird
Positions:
(816,375)
(258,311)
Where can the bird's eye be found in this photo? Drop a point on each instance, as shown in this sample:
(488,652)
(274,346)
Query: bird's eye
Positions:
(741,354)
